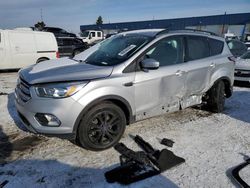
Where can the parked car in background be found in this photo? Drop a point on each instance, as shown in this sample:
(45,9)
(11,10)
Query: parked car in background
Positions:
(246,39)
(22,47)
(236,47)
(59,32)
(92,36)
(242,68)
(129,77)
(68,46)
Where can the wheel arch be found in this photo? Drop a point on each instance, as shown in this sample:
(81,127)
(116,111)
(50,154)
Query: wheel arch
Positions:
(117,100)
(228,85)
(41,58)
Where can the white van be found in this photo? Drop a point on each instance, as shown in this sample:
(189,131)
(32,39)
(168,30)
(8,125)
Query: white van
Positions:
(22,47)
(91,36)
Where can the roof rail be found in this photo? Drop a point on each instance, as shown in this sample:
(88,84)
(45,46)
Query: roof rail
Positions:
(186,30)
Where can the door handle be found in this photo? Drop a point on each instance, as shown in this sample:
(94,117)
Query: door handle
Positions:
(212,65)
(179,73)
(129,84)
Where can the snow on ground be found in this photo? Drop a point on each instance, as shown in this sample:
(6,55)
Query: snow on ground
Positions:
(211,144)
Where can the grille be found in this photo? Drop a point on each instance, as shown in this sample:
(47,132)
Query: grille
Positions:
(23,90)
(242,73)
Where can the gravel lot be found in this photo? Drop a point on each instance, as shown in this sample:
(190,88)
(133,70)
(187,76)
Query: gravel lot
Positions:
(211,144)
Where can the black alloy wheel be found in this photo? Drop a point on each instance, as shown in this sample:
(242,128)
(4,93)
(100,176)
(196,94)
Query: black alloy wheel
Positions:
(101,127)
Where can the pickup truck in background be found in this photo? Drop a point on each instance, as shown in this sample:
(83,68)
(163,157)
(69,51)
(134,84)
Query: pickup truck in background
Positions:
(91,37)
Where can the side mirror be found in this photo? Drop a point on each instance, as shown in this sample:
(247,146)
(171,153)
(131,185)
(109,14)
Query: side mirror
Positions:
(150,64)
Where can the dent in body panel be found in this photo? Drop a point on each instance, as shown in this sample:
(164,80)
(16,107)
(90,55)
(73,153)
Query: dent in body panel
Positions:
(158,92)
(191,101)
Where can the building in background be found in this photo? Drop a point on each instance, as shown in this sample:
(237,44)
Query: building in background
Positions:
(219,24)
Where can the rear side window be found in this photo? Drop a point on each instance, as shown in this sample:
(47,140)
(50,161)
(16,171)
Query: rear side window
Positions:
(197,48)
(216,46)
(99,34)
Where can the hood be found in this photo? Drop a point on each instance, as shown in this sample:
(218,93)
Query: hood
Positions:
(243,64)
(63,69)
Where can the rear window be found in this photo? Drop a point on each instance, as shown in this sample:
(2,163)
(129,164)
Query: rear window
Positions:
(197,48)
(216,46)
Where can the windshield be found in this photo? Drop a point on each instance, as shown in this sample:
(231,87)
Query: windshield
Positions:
(245,56)
(85,34)
(115,50)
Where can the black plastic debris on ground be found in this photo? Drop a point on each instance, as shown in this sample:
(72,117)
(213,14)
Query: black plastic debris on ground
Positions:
(167,142)
(3,183)
(136,166)
(235,173)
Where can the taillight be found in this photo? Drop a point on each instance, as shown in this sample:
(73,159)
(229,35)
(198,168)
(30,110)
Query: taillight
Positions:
(232,58)
(57,55)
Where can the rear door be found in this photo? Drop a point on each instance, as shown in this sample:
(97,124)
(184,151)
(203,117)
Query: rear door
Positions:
(199,66)
(159,91)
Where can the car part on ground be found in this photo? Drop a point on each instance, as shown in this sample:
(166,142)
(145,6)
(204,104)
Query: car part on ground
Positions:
(236,176)
(3,183)
(132,76)
(167,142)
(136,166)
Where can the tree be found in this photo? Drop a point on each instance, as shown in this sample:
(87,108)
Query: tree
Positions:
(99,21)
(40,25)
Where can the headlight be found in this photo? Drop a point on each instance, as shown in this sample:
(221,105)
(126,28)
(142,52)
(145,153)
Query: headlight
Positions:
(60,90)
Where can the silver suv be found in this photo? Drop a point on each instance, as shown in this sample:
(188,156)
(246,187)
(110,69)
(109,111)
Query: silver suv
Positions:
(129,77)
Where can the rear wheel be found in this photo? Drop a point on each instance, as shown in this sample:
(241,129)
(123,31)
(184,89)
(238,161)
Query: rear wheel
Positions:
(216,97)
(101,127)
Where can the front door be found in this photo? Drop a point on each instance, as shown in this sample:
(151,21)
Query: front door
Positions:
(160,91)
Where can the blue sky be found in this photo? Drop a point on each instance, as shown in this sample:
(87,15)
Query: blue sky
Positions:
(70,14)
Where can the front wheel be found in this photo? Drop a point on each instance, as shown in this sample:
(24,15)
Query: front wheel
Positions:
(101,127)
(216,97)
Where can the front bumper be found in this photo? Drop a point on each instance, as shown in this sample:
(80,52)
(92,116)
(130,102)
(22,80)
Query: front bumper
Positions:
(66,110)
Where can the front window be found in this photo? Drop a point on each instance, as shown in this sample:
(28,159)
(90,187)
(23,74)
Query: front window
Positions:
(115,50)
(85,34)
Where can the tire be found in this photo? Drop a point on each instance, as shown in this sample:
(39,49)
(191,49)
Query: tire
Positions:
(101,127)
(41,59)
(216,97)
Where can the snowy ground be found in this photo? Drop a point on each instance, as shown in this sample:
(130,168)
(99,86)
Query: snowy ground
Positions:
(211,144)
